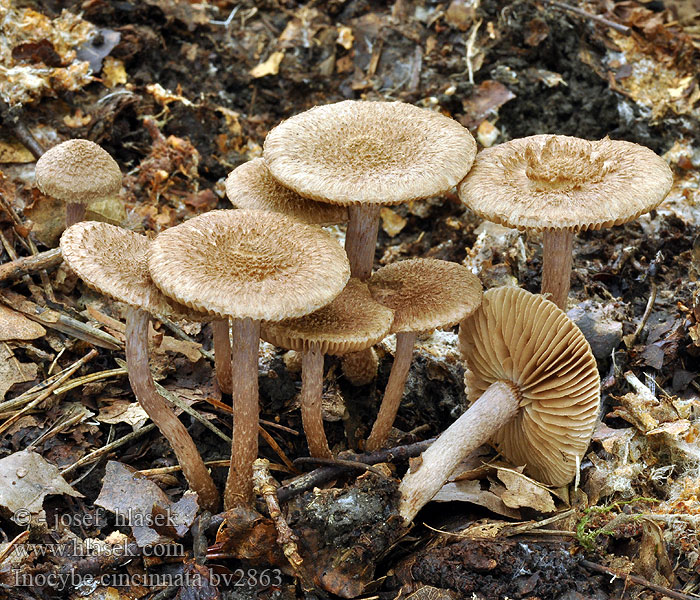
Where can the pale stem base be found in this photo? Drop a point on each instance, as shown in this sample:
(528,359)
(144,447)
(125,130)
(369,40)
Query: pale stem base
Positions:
(75,213)
(161,413)
(222,354)
(393,392)
(311,394)
(361,239)
(244,447)
(496,406)
(557,256)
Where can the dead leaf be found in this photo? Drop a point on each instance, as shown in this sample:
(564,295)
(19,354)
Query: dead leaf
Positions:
(139,503)
(392,223)
(12,371)
(113,72)
(12,151)
(270,67)
(470,491)
(521,491)
(123,411)
(25,480)
(15,326)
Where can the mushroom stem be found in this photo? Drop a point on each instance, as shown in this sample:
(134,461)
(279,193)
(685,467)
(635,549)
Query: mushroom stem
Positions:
(556,269)
(361,239)
(160,412)
(498,405)
(222,354)
(393,392)
(244,447)
(75,213)
(311,393)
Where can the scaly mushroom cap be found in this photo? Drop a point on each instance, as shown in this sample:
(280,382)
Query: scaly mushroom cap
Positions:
(249,264)
(114,262)
(78,171)
(561,182)
(352,322)
(426,293)
(525,340)
(356,152)
(252,186)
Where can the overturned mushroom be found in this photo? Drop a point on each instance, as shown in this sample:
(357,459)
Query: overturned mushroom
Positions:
(352,322)
(560,185)
(112,261)
(364,155)
(78,172)
(535,391)
(424,293)
(249,266)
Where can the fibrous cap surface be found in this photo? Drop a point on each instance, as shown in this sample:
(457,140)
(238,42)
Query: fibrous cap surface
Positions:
(249,264)
(251,185)
(561,182)
(114,261)
(78,171)
(352,322)
(426,293)
(357,152)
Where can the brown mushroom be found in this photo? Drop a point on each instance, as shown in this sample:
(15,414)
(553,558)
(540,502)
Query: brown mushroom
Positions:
(535,392)
(424,293)
(367,154)
(247,265)
(560,185)
(78,172)
(112,261)
(252,186)
(352,322)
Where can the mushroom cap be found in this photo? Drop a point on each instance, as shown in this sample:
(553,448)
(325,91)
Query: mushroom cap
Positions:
(352,322)
(561,182)
(249,264)
(251,185)
(426,293)
(114,262)
(526,340)
(78,171)
(358,152)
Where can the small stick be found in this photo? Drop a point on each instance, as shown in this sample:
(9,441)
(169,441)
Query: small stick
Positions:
(58,321)
(89,378)
(18,540)
(325,474)
(11,118)
(276,447)
(582,13)
(591,566)
(180,334)
(100,452)
(265,486)
(209,463)
(336,462)
(30,264)
(630,340)
(47,392)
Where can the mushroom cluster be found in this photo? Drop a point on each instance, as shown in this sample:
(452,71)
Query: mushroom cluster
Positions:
(267,270)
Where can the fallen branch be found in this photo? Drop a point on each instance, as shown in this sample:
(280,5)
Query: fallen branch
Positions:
(582,13)
(326,474)
(30,264)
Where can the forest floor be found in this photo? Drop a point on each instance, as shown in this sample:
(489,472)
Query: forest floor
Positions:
(180,93)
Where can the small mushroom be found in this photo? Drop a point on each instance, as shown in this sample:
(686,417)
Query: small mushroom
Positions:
(364,155)
(560,185)
(424,293)
(112,261)
(78,172)
(352,322)
(252,186)
(535,392)
(249,266)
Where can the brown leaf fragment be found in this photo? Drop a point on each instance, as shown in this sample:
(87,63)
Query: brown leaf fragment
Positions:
(139,503)
(15,326)
(25,480)
(487,98)
(470,491)
(12,371)
(521,491)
